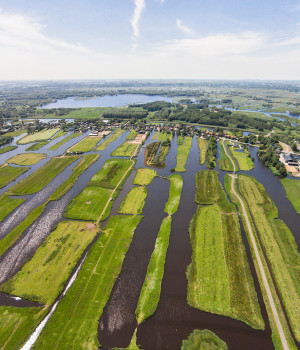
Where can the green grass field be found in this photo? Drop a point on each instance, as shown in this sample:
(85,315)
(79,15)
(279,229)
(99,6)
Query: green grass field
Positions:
(208,188)
(176,184)
(126,149)
(144,177)
(203,340)
(111,173)
(292,189)
(163,136)
(279,245)
(44,175)
(8,204)
(109,139)
(17,324)
(39,136)
(134,201)
(27,158)
(86,144)
(224,161)
(9,173)
(183,153)
(202,144)
(132,135)
(89,204)
(37,146)
(150,293)
(43,277)
(243,158)
(15,133)
(74,324)
(59,134)
(7,149)
(63,141)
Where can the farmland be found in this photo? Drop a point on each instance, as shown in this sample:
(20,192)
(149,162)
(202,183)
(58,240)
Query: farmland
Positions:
(183,153)
(224,161)
(41,177)
(108,140)
(203,340)
(126,149)
(243,158)
(36,146)
(202,143)
(27,158)
(64,140)
(8,204)
(176,184)
(134,201)
(86,144)
(39,136)
(292,189)
(132,135)
(7,149)
(39,279)
(144,177)
(9,173)
(75,321)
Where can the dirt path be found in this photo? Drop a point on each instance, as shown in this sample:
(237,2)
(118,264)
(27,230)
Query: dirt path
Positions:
(259,261)
(286,148)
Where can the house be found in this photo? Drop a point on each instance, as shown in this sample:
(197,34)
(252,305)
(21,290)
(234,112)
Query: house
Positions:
(290,159)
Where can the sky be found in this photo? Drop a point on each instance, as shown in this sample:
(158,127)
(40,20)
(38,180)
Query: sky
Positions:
(149,39)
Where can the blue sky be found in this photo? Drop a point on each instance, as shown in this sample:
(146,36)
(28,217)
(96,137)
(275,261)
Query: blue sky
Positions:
(102,39)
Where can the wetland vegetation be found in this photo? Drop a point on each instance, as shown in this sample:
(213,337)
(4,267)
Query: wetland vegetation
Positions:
(9,173)
(292,189)
(27,158)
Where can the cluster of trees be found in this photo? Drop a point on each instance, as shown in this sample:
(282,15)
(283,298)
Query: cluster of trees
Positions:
(270,159)
(212,151)
(154,106)
(126,114)
(4,140)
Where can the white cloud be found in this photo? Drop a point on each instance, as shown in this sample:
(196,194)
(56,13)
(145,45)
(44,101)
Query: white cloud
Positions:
(139,6)
(183,28)
(292,41)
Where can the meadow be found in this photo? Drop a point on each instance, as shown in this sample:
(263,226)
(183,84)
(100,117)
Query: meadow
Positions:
(134,201)
(144,177)
(224,161)
(243,158)
(86,144)
(176,183)
(7,149)
(63,141)
(109,139)
(43,277)
(132,135)
(202,144)
(38,136)
(126,149)
(9,204)
(36,146)
(203,340)
(183,153)
(9,173)
(74,323)
(41,177)
(292,189)
(27,158)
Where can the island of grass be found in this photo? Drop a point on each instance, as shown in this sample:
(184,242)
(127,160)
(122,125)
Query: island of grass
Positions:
(176,184)
(134,201)
(150,158)
(132,135)
(43,277)
(38,136)
(224,161)
(279,245)
(111,173)
(63,141)
(86,144)
(242,155)
(17,324)
(44,175)
(292,189)
(109,139)
(9,173)
(74,324)
(202,144)
(89,204)
(8,205)
(150,293)
(126,149)
(37,146)
(211,153)
(203,340)
(7,149)
(183,153)
(163,136)
(144,177)
(219,276)
(27,158)
(59,134)
(14,235)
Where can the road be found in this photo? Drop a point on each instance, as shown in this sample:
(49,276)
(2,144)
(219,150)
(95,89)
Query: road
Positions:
(258,258)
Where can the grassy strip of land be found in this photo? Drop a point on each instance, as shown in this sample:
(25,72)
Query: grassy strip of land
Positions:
(155,135)
(37,146)
(292,189)
(111,173)
(183,153)
(176,184)
(39,136)
(74,324)
(59,134)
(203,340)
(150,293)
(8,204)
(243,157)
(279,245)
(17,324)
(43,277)
(132,135)
(7,149)
(224,161)
(9,173)
(163,136)
(134,201)
(15,234)
(164,150)
(63,141)
(144,177)
(109,139)
(211,153)
(126,149)
(15,133)
(40,178)
(86,144)
(27,158)
(89,204)
(202,144)
(219,276)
